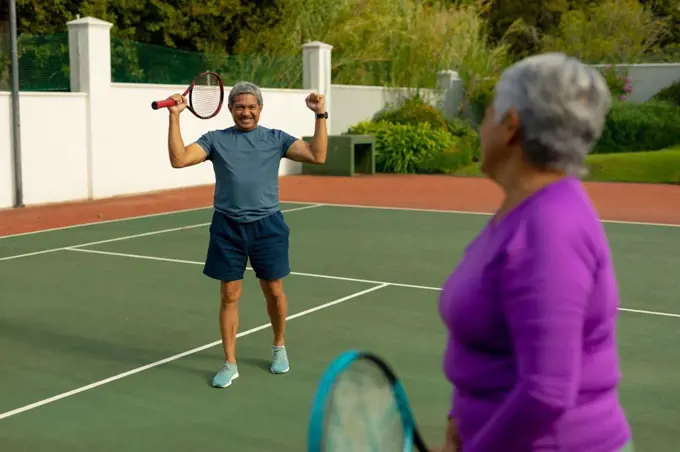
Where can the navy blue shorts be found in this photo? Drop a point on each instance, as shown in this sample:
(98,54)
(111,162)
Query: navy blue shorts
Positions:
(264,242)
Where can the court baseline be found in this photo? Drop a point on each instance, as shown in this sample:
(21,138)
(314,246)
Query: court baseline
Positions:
(134,236)
(314,204)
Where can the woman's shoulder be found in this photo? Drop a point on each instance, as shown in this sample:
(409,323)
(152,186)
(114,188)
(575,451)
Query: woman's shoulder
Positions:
(565,210)
(564,219)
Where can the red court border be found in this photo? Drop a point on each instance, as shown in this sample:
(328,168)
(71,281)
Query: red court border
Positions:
(649,203)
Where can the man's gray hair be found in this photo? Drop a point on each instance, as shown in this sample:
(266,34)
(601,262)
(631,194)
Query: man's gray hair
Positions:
(562,105)
(245,88)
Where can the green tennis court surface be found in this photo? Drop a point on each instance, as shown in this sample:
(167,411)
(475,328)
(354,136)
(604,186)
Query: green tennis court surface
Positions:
(105,348)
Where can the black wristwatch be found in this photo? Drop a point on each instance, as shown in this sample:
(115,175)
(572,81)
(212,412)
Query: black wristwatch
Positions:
(323,115)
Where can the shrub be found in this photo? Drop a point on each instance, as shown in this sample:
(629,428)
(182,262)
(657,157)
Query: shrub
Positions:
(463,142)
(640,126)
(618,81)
(459,127)
(670,94)
(412,111)
(400,148)
(447,161)
(469,138)
(479,95)
(415,111)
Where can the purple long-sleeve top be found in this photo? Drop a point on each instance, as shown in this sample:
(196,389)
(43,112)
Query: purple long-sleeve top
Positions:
(531,313)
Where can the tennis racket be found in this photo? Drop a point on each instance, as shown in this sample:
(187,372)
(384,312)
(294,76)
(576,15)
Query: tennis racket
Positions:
(206,95)
(361,406)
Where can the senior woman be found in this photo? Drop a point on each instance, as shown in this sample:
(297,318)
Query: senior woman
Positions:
(531,308)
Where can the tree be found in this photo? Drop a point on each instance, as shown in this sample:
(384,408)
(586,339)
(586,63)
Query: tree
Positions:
(384,42)
(670,11)
(613,31)
(185,24)
(522,22)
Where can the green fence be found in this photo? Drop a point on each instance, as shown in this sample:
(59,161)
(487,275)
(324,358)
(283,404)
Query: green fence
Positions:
(134,62)
(43,63)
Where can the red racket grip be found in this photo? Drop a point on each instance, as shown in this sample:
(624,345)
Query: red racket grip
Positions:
(163,103)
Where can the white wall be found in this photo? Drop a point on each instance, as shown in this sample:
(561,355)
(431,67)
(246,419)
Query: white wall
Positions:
(353,104)
(131,154)
(649,79)
(53,147)
(133,157)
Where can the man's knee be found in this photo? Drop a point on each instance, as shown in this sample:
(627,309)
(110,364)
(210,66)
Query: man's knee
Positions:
(273,289)
(230,292)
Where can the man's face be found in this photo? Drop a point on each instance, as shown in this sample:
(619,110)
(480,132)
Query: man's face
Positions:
(245,111)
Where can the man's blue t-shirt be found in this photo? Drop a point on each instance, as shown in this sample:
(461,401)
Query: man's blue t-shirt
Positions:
(246,166)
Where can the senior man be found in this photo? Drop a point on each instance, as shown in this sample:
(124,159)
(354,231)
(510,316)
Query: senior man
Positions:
(247,222)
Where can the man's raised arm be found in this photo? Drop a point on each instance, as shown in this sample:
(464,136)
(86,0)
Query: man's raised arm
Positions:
(182,156)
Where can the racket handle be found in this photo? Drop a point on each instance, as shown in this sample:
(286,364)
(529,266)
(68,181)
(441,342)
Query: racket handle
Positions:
(163,103)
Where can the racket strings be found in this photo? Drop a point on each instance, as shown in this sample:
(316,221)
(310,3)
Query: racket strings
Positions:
(362,414)
(206,95)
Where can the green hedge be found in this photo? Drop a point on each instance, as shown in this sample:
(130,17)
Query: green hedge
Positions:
(412,111)
(654,167)
(406,148)
(645,126)
(414,137)
(670,94)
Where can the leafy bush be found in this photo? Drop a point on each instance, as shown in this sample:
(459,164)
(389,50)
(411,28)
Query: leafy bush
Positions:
(415,110)
(618,81)
(481,92)
(478,96)
(669,94)
(447,161)
(402,148)
(640,126)
(412,111)
(469,138)
(464,141)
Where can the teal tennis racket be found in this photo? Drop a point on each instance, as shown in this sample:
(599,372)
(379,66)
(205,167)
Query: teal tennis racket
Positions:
(361,406)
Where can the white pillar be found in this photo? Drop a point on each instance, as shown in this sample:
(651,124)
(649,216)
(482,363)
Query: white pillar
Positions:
(89,42)
(451,83)
(316,74)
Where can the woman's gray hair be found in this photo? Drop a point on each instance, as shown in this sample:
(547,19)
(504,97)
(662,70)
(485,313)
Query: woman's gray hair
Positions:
(245,88)
(562,105)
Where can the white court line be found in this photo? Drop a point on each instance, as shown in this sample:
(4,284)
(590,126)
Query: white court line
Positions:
(134,236)
(307,205)
(311,275)
(179,355)
(348,206)
(467,212)
(314,275)
(117,220)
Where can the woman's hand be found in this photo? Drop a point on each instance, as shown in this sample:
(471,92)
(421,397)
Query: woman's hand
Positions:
(451,440)
(450,447)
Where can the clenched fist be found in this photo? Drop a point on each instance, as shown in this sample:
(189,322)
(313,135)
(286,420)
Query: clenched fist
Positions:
(315,102)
